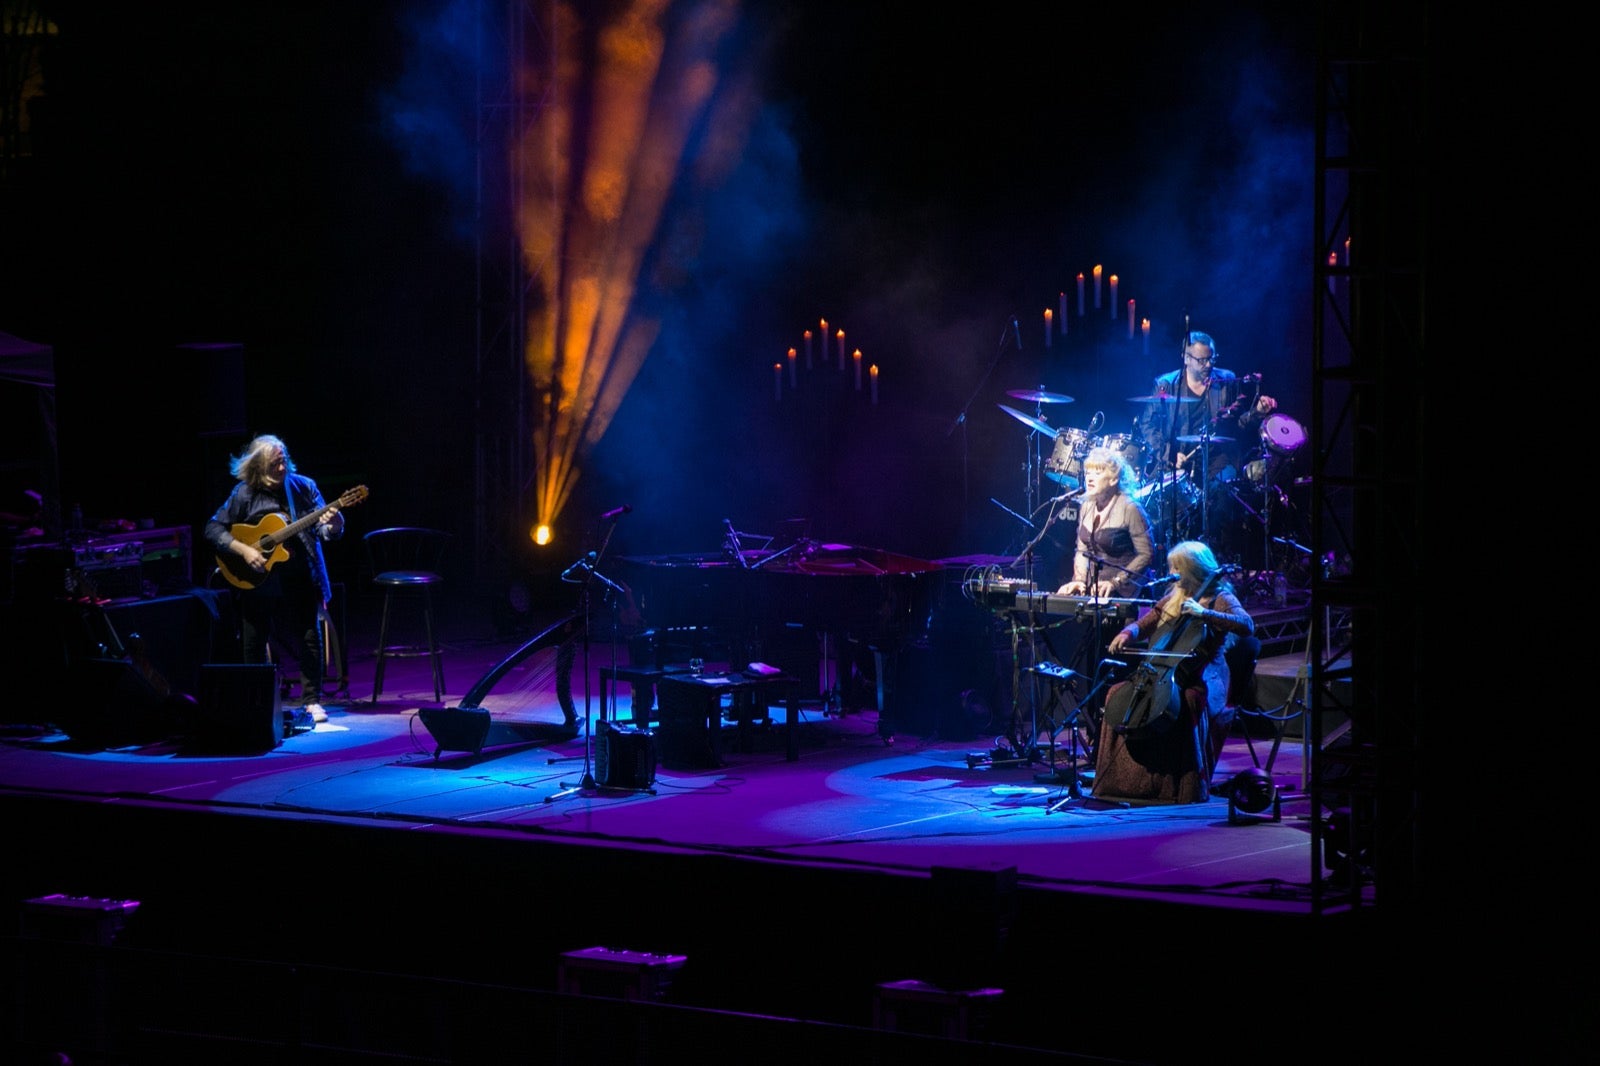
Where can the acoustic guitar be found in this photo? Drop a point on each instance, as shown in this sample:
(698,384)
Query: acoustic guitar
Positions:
(268,537)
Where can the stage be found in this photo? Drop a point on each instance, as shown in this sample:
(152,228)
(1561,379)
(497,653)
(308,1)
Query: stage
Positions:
(799,878)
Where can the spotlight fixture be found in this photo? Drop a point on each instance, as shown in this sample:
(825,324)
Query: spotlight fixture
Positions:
(1251,792)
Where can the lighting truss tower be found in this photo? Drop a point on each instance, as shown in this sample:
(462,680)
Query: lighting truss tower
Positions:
(1367,417)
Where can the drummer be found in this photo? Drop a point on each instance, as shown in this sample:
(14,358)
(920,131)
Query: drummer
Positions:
(1199,414)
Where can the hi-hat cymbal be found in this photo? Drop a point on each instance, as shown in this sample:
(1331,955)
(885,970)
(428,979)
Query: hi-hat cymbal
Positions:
(1039,396)
(1028,420)
(1163,398)
(1197,440)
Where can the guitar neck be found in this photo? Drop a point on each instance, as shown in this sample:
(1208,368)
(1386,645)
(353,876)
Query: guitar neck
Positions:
(300,523)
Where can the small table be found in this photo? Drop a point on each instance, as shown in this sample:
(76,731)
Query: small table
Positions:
(640,677)
(691,706)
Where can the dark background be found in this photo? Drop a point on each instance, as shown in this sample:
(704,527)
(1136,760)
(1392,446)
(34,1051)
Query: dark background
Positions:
(295,182)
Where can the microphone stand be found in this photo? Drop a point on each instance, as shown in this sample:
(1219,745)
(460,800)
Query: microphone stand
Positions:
(960,421)
(1074,789)
(1169,433)
(585,565)
(1025,754)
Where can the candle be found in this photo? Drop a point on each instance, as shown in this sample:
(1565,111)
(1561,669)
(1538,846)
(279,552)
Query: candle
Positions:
(808,349)
(873,372)
(1130,320)
(857,358)
(841,349)
(777,381)
(1333,261)
(791,367)
(822,339)
(1113,304)
(1097,286)
(1063,303)
(1144,327)
(1049,331)
(1080,294)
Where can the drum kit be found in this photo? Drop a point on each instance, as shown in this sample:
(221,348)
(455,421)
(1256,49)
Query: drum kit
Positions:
(1174,500)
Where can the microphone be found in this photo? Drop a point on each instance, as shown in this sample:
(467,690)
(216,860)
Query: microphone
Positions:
(1162,582)
(1065,496)
(1016,331)
(585,563)
(616,512)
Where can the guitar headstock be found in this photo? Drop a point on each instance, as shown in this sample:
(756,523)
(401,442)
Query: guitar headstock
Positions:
(353,496)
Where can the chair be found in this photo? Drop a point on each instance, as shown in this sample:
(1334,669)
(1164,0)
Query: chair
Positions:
(405,563)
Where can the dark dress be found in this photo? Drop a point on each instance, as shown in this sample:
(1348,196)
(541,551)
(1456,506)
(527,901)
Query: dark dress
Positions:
(1174,764)
(1119,535)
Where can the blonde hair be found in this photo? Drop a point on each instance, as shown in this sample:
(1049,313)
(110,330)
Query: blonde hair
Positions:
(1114,460)
(250,465)
(1194,562)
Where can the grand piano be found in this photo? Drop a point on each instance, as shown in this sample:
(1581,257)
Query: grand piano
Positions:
(839,611)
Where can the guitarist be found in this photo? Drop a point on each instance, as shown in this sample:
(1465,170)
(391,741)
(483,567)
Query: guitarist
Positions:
(284,602)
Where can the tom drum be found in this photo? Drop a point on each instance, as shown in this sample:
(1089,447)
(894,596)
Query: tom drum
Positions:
(1065,465)
(1132,448)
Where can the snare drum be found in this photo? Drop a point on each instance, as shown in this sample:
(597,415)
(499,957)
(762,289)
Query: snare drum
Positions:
(1065,465)
(1171,492)
(1282,434)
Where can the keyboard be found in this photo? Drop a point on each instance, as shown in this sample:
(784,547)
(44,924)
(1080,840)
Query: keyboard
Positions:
(1022,597)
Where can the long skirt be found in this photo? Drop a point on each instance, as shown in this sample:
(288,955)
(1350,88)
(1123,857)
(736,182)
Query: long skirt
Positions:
(1172,765)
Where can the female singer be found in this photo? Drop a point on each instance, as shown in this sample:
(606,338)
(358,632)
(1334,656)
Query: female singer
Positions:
(1114,549)
(1172,760)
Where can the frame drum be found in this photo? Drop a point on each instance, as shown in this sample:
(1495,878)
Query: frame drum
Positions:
(1282,434)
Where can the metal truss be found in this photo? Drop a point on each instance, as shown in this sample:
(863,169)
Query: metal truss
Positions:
(1368,352)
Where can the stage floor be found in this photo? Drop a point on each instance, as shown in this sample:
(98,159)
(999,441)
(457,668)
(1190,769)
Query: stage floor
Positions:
(346,831)
(905,802)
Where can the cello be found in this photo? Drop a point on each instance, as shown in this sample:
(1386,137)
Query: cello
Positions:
(1151,700)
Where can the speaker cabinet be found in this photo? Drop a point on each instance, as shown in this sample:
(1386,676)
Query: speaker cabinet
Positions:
(624,757)
(241,709)
(110,703)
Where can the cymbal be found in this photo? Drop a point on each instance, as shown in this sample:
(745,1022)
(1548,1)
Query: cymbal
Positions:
(1039,396)
(1162,398)
(1196,440)
(1028,420)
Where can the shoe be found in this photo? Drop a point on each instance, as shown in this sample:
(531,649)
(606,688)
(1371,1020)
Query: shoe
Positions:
(318,714)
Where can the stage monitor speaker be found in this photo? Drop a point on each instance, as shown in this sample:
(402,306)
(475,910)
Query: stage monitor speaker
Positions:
(624,757)
(241,709)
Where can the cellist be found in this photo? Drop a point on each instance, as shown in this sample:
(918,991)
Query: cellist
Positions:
(1172,761)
